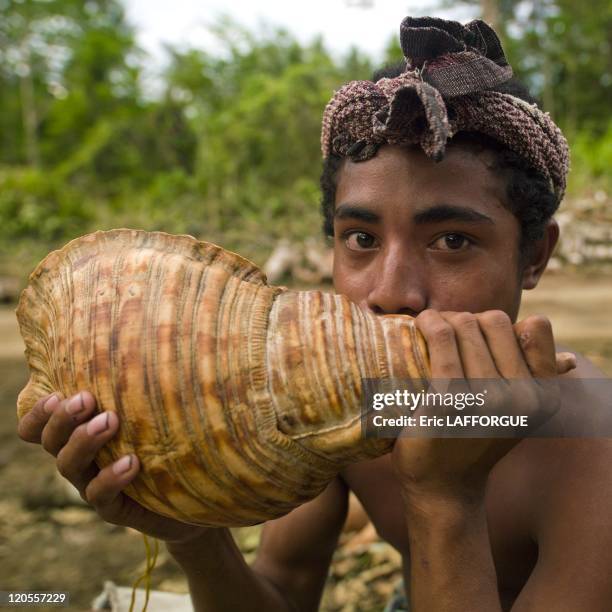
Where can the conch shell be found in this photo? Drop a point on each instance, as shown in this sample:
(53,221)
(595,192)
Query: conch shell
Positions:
(241,400)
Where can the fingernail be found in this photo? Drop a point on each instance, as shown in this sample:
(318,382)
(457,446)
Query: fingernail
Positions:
(50,405)
(75,405)
(123,465)
(98,424)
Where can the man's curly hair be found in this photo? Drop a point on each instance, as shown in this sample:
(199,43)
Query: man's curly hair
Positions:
(529,194)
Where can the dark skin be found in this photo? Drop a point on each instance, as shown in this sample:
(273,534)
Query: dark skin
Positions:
(481,524)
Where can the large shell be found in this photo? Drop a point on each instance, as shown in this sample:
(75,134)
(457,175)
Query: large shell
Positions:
(241,400)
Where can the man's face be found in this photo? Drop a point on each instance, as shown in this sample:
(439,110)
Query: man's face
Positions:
(412,234)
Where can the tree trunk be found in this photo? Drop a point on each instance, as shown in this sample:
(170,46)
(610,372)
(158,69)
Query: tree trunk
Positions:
(490,13)
(28,109)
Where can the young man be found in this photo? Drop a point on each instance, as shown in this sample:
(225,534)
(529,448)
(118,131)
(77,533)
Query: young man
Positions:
(439,187)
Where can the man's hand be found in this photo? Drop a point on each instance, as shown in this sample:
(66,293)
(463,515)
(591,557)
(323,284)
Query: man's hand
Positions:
(71,431)
(464,346)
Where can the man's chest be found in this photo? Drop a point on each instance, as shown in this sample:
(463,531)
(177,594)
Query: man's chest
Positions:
(508,515)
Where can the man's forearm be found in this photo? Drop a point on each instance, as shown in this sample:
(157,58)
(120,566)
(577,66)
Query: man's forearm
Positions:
(220,579)
(451,565)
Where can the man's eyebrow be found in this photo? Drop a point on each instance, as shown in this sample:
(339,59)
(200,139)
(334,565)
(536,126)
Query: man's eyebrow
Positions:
(450,212)
(350,211)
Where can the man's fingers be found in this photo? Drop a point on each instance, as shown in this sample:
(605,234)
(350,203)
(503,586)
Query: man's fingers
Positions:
(64,419)
(475,354)
(105,494)
(496,327)
(104,491)
(566,362)
(32,423)
(441,343)
(537,343)
(75,461)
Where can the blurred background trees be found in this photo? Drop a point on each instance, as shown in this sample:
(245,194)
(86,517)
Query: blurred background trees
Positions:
(228,147)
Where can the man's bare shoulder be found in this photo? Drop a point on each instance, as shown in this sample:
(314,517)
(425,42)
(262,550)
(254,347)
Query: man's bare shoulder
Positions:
(584,367)
(569,476)
(541,475)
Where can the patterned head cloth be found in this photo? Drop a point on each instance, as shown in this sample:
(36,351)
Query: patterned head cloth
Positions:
(448,86)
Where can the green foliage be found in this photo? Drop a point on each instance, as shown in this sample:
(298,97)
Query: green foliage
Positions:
(591,161)
(563,49)
(393,51)
(229,149)
(36,204)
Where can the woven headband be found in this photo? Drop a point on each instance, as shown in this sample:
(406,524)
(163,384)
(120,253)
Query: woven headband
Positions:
(447,87)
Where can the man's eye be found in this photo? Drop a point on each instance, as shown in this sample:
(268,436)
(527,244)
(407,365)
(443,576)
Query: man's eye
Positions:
(360,241)
(451,242)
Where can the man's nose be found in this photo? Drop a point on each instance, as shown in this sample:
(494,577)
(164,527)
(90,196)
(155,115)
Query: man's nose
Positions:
(399,287)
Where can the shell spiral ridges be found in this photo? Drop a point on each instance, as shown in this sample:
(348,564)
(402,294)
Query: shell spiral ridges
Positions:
(241,400)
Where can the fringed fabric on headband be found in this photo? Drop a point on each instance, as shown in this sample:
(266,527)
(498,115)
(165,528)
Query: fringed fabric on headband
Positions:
(448,87)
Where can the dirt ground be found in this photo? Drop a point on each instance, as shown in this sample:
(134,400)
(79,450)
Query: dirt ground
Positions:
(47,541)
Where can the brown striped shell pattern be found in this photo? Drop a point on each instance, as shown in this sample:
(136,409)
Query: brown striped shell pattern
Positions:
(241,400)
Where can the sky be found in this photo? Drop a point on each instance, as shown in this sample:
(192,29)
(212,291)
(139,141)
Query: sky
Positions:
(342,23)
